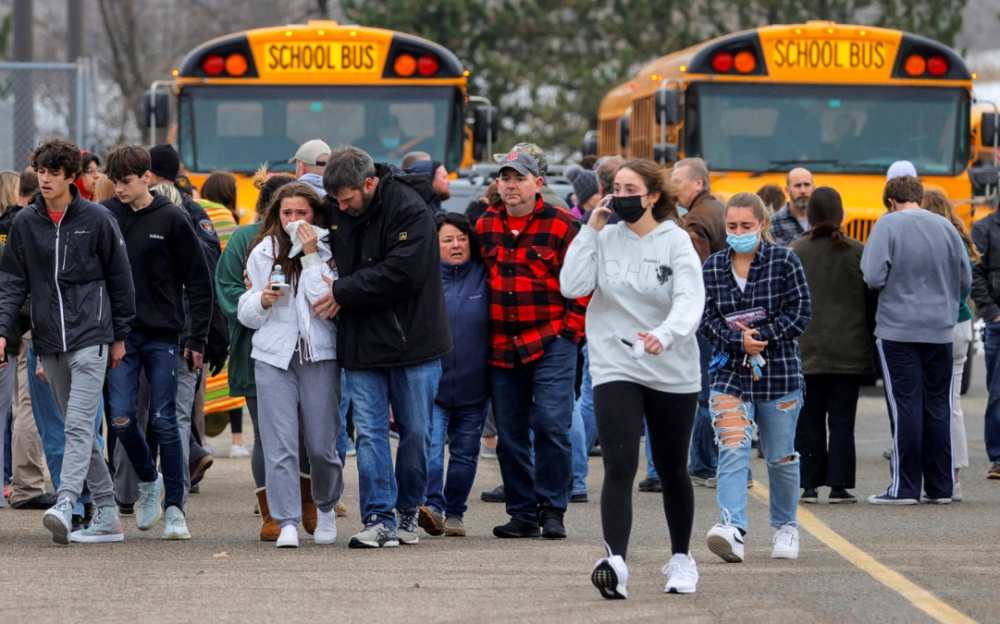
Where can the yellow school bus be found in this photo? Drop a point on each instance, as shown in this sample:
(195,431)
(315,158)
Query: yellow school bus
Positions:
(842,101)
(255,96)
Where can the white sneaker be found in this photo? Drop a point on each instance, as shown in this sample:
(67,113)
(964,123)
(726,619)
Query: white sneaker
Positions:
(610,575)
(682,574)
(326,527)
(726,541)
(956,494)
(238,451)
(289,537)
(786,543)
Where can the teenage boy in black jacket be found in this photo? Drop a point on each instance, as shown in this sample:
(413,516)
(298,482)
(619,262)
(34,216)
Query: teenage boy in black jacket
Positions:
(69,255)
(167,261)
(391,332)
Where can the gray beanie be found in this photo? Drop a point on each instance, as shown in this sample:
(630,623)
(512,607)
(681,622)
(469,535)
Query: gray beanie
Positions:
(584,185)
(571,171)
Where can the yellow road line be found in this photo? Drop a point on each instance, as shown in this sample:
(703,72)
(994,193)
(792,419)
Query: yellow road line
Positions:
(916,595)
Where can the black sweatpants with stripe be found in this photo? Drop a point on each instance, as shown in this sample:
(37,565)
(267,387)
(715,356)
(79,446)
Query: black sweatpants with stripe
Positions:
(918,379)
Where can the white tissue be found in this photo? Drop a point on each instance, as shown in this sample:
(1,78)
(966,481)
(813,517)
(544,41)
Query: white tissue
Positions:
(292,229)
(638,349)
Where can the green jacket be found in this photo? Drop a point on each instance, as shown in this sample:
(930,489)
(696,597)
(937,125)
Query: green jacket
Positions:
(228,288)
(839,339)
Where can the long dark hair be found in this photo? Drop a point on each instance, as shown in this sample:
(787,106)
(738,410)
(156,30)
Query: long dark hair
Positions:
(220,187)
(826,213)
(282,242)
(462,223)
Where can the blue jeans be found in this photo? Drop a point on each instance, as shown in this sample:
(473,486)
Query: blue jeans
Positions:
(158,360)
(52,427)
(992,416)
(583,432)
(704,454)
(410,390)
(650,468)
(461,428)
(345,403)
(537,396)
(776,422)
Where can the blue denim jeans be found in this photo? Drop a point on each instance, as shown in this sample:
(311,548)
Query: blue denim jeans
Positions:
(158,361)
(650,468)
(345,403)
(52,427)
(461,429)
(991,432)
(776,422)
(583,432)
(704,461)
(537,396)
(411,391)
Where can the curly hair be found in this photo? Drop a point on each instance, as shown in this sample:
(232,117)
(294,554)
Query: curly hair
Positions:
(58,154)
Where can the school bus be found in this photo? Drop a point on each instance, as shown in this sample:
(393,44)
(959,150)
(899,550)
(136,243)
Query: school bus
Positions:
(843,101)
(255,96)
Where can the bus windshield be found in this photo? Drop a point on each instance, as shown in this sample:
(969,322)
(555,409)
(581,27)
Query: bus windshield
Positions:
(829,129)
(237,128)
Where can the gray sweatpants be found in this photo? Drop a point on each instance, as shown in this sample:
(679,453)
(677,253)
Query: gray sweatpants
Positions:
(126,481)
(305,396)
(77,380)
(7,376)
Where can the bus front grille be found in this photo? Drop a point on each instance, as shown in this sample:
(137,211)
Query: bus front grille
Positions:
(859,228)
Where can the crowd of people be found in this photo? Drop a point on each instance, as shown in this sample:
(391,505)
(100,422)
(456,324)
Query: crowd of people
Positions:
(692,323)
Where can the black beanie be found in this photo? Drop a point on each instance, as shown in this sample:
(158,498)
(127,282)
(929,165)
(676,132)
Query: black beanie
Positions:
(165,162)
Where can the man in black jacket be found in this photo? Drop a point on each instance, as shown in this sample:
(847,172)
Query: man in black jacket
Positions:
(69,255)
(392,330)
(167,262)
(986,295)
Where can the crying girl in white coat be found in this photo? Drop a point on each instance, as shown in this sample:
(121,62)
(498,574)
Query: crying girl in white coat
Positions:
(295,359)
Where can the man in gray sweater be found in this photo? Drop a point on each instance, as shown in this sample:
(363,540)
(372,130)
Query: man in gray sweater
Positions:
(917,262)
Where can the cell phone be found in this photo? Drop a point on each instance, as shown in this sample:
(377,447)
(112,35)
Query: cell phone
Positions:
(190,361)
(283,288)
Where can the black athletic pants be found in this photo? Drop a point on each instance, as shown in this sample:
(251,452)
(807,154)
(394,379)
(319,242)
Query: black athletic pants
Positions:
(620,408)
(831,401)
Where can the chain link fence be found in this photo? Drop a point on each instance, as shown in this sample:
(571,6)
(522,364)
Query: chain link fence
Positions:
(45,99)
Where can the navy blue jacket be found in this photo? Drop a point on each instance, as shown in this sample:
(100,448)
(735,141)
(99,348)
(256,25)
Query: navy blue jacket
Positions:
(464,381)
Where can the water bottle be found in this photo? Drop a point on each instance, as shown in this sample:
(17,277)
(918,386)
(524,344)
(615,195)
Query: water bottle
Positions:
(277,275)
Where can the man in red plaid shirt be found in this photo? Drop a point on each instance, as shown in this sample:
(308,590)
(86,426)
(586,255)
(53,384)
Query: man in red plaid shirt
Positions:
(533,348)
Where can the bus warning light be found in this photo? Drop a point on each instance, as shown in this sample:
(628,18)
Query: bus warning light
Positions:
(236,64)
(722,62)
(405,65)
(466,73)
(213,65)
(427,65)
(915,65)
(937,66)
(176,72)
(745,62)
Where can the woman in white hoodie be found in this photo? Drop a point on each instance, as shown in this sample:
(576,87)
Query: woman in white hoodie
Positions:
(298,379)
(647,302)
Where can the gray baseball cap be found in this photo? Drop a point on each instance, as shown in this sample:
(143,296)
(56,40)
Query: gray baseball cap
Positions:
(521,162)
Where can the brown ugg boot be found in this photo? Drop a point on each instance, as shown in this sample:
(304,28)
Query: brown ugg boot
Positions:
(308,505)
(269,531)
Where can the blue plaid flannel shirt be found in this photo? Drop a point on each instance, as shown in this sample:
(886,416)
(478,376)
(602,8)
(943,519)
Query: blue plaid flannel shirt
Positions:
(776,283)
(785,228)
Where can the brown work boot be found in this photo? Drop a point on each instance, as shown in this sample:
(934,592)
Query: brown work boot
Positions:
(341,509)
(269,531)
(308,505)
(453,527)
(431,521)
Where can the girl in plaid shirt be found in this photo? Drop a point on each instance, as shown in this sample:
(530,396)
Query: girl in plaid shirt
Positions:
(756,305)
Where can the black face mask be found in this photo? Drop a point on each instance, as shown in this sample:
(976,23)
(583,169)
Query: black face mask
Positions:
(629,207)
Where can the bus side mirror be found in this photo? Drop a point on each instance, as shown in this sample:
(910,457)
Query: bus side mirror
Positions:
(588,147)
(665,153)
(155,109)
(668,106)
(988,127)
(485,129)
(983,177)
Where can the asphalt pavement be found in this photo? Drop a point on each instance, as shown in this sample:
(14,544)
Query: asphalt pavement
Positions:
(858,563)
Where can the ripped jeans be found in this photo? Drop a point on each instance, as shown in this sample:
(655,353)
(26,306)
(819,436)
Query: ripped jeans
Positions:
(776,422)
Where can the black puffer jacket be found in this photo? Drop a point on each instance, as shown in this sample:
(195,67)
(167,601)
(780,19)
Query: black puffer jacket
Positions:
(78,275)
(389,259)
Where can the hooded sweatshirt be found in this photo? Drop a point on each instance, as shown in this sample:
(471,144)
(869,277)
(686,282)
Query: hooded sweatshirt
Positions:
(649,284)
(316,181)
(167,260)
(429,168)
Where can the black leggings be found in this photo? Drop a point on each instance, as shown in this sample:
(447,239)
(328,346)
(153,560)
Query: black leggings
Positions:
(620,408)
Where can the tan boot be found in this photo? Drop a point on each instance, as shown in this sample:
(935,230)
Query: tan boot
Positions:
(308,505)
(269,531)
(341,509)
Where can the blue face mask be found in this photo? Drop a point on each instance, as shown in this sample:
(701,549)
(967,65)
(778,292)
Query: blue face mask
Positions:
(743,243)
(391,144)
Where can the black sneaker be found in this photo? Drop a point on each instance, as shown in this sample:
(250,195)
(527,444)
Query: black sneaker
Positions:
(198,466)
(596,451)
(42,502)
(579,498)
(809,495)
(496,495)
(650,485)
(552,525)
(517,529)
(125,509)
(840,496)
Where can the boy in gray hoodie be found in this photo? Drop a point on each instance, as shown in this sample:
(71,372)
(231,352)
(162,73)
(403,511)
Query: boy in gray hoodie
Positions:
(917,262)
